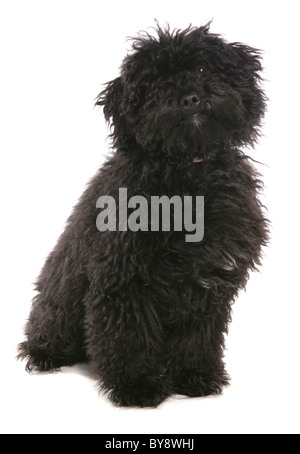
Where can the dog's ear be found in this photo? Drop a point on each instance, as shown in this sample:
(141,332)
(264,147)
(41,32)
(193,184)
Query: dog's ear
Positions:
(111,98)
(244,64)
(247,58)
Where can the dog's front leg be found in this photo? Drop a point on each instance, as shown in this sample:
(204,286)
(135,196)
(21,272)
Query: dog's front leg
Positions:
(196,343)
(125,345)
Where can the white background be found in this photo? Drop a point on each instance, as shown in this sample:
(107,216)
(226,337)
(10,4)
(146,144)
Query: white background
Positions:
(54,56)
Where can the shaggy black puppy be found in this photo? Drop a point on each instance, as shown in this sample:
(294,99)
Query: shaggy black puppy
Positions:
(147,309)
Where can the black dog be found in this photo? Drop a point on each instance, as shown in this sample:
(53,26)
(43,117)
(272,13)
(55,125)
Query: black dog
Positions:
(149,310)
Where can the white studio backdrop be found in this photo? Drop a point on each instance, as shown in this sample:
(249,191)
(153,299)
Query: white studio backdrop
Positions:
(54,57)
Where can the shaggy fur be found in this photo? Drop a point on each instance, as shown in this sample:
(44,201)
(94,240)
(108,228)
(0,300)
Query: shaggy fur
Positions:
(147,310)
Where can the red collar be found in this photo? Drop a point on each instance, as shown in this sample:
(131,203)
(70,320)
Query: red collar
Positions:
(198,160)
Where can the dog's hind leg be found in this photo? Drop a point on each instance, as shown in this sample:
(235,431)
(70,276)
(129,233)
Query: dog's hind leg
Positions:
(54,332)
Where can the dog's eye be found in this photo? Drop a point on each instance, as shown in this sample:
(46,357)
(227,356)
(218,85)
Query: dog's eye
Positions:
(201,69)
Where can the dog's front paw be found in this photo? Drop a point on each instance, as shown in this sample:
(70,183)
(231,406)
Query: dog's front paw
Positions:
(144,392)
(200,385)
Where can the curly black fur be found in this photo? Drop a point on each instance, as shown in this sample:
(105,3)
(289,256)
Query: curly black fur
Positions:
(148,310)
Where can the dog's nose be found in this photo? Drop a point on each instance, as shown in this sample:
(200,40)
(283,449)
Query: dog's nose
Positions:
(189,101)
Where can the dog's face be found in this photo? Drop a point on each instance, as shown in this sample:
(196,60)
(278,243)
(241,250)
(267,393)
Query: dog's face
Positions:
(185,91)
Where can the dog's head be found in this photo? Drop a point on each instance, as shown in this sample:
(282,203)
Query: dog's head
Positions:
(184,91)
